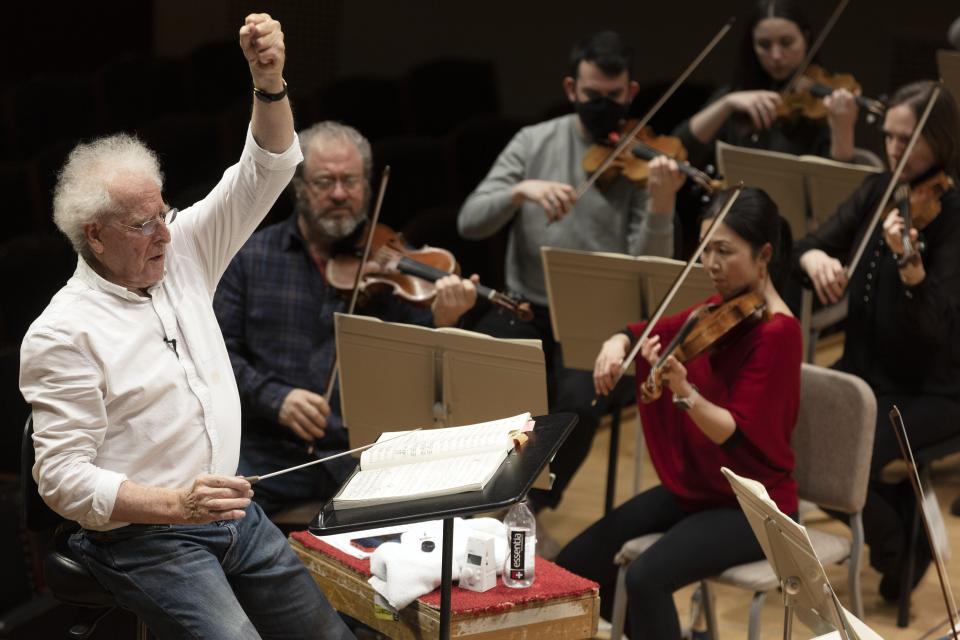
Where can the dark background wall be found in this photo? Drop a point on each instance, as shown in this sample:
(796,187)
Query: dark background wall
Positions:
(439,87)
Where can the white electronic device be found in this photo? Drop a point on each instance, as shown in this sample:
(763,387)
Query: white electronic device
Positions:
(478,571)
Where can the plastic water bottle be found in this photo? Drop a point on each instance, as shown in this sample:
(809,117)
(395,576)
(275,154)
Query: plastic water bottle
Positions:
(521,546)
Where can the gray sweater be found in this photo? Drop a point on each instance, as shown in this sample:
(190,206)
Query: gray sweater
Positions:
(615,219)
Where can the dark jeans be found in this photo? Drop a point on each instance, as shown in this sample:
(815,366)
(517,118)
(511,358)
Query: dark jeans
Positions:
(567,390)
(888,511)
(694,546)
(235,579)
(260,454)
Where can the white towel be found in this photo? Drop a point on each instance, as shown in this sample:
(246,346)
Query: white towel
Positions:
(402,571)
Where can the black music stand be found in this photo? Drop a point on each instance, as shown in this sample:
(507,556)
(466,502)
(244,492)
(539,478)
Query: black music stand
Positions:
(508,486)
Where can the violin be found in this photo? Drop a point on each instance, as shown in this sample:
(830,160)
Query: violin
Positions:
(892,184)
(703,330)
(804,96)
(599,168)
(408,273)
(644,147)
(627,361)
(919,205)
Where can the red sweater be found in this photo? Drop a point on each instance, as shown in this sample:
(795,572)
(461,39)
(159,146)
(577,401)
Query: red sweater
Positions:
(756,377)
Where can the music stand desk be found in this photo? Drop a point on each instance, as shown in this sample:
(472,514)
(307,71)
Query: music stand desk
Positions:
(509,485)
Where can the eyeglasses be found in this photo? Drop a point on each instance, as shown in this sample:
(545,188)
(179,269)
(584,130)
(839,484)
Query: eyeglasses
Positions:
(329,183)
(149,227)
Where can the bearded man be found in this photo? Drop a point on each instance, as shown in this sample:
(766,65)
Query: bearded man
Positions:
(276,311)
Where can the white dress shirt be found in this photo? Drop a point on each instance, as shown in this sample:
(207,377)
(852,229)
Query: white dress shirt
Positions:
(111,397)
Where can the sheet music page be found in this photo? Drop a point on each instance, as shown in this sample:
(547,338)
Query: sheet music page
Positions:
(430,478)
(434,444)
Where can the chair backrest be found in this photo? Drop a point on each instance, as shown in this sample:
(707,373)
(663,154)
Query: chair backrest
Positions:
(833,439)
(37,516)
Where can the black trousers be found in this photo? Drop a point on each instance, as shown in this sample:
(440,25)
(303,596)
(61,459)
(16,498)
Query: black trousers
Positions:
(694,546)
(889,509)
(567,390)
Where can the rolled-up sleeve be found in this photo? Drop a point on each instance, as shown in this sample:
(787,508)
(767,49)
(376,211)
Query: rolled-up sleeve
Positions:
(69,419)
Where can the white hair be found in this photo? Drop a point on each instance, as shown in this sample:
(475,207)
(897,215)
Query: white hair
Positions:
(82,194)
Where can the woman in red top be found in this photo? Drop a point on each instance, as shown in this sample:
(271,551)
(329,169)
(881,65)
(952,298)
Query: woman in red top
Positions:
(735,406)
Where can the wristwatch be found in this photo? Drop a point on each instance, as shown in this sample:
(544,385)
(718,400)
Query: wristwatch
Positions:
(271,97)
(685,403)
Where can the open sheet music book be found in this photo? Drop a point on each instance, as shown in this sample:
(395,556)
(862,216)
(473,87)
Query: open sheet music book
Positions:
(434,462)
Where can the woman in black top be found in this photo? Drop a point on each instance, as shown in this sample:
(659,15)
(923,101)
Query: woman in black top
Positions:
(904,316)
(744,113)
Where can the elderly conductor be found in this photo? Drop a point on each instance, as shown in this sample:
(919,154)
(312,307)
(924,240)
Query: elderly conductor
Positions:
(135,407)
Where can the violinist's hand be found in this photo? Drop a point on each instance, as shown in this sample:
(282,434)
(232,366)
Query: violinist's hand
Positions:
(674,376)
(556,198)
(663,181)
(650,351)
(305,414)
(455,296)
(893,232)
(213,498)
(760,105)
(606,369)
(827,274)
(842,110)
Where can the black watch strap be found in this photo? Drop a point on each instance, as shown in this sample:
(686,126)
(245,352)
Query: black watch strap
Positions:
(260,94)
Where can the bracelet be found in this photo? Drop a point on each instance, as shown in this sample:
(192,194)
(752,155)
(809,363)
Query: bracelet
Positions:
(265,96)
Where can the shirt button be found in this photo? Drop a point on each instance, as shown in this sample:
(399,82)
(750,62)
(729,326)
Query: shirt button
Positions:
(869,276)
(866,298)
(868,287)
(873,265)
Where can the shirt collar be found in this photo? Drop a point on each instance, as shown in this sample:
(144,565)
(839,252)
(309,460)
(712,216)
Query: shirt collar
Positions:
(292,238)
(95,281)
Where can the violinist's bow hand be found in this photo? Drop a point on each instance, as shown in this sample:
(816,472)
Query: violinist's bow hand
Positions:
(556,198)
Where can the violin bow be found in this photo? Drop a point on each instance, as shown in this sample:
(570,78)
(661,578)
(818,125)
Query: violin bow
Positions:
(627,139)
(813,49)
(900,429)
(384,179)
(894,179)
(677,283)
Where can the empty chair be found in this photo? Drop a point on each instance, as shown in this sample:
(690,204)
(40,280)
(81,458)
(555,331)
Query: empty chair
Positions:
(418,178)
(45,109)
(126,90)
(473,147)
(191,148)
(370,104)
(444,93)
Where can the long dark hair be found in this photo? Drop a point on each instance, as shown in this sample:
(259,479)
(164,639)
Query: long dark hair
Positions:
(942,131)
(749,74)
(755,218)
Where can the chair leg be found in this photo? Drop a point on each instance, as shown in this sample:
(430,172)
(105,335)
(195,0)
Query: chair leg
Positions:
(612,460)
(853,570)
(619,615)
(709,610)
(143,633)
(639,445)
(756,606)
(86,623)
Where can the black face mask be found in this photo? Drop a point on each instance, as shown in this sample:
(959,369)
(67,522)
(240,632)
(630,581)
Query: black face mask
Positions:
(600,116)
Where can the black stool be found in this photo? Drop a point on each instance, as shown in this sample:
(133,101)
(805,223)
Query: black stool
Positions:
(924,457)
(67,578)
